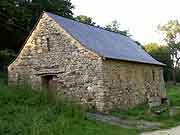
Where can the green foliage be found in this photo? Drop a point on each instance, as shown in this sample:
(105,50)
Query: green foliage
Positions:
(27,112)
(60,7)
(3,78)
(6,56)
(85,19)
(162,54)
(17,17)
(173,92)
(171,33)
(178,74)
(114,26)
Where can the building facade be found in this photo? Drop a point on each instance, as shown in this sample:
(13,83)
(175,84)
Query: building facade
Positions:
(60,55)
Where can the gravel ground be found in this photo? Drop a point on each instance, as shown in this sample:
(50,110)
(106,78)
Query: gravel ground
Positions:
(172,131)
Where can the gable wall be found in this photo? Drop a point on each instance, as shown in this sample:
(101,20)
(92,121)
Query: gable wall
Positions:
(81,73)
(78,70)
(130,83)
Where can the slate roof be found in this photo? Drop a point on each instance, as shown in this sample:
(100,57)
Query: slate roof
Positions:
(107,44)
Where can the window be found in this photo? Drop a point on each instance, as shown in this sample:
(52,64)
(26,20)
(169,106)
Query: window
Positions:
(153,75)
(48,44)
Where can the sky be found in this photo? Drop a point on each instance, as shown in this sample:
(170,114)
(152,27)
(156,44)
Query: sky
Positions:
(140,17)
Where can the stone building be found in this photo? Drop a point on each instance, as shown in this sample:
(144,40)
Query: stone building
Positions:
(95,67)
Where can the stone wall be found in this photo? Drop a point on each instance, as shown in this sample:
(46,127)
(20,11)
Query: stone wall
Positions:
(129,83)
(51,50)
(80,73)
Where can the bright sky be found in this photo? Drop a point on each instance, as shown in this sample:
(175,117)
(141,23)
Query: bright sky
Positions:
(140,17)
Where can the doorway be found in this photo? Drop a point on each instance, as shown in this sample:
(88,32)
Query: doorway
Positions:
(49,83)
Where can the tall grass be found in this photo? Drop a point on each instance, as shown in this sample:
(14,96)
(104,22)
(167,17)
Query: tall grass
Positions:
(24,111)
(173,93)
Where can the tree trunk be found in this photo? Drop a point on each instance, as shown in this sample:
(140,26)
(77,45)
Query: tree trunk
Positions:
(174,75)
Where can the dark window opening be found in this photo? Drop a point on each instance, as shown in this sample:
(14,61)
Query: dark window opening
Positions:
(48,44)
(46,81)
(153,74)
(49,83)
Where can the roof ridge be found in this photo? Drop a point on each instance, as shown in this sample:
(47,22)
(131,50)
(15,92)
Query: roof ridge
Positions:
(101,28)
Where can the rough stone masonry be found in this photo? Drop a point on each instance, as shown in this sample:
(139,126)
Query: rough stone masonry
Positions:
(54,59)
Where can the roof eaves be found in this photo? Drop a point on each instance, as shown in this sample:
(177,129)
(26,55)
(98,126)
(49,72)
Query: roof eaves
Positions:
(133,61)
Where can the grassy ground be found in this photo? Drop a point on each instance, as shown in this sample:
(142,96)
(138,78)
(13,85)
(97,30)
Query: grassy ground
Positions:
(27,112)
(142,112)
(173,92)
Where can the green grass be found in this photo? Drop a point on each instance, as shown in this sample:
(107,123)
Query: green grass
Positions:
(142,112)
(27,112)
(173,93)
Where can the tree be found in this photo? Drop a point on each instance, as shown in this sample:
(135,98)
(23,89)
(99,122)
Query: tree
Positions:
(85,19)
(171,33)
(162,54)
(12,22)
(114,26)
(17,17)
(6,56)
(59,7)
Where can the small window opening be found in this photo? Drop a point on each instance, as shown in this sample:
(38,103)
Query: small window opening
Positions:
(48,44)
(153,74)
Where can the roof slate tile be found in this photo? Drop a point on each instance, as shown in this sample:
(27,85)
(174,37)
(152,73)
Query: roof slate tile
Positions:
(107,44)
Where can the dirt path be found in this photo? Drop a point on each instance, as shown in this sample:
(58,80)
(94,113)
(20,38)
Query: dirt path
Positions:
(172,131)
(140,125)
